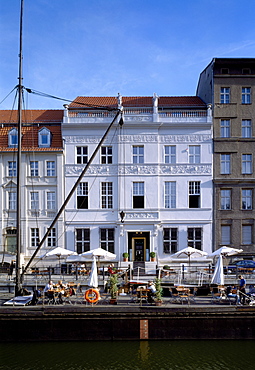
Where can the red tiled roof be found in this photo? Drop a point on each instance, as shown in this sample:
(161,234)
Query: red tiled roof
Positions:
(137,101)
(36,119)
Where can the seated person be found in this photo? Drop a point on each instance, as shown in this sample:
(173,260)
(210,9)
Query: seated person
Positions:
(151,291)
(251,290)
(61,290)
(48,286)
(231,293)
(111,269)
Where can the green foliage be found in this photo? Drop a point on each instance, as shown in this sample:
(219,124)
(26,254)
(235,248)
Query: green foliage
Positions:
(113,285)
(159,289)
(152,254)
(125,255)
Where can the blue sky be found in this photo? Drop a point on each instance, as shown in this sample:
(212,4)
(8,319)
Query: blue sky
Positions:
(106,47)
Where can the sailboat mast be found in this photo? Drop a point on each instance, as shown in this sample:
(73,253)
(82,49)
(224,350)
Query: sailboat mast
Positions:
(18,282)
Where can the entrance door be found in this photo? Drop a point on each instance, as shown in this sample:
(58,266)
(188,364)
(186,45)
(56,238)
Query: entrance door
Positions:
(139,245)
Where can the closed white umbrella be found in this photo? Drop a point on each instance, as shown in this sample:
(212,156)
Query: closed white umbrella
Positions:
(218,275)
(93,278)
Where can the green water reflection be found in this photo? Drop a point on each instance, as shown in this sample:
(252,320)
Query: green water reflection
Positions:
(208,355)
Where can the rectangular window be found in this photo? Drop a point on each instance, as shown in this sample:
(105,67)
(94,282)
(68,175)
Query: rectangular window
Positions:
(107,239)
(52,239)
(170,194)
(195,237)
(225,164)
(81,154)
(246,163)
(34,168)
(12,168)
(246,199)
(194,154)
(51,168)
(12,200)
(225,234)
(106,155)
(170,239)
(51,200)
(194,194)
(138,154)
(225,195)
(225,128)
(246,234)
(246,128)
(34,200)
(246,95)
(138,195)
(82,240)
(225,95)
(170,154)
(82,195)
(34,237)
(107,194)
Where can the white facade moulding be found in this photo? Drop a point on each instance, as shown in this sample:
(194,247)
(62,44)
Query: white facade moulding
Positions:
(178,169)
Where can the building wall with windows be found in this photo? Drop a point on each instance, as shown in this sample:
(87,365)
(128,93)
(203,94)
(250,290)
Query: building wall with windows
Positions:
(41,179)
(155,170)
(229,84)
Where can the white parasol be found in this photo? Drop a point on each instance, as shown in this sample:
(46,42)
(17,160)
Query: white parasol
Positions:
(226,251)
(93,278)
(189,253)
(58,252)
(100,253)
(218,275)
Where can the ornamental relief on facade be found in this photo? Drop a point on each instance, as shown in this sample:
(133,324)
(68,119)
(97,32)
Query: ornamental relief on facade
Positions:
(139,139)
(142,215)
(141,170)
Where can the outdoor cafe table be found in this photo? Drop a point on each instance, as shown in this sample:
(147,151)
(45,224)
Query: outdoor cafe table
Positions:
(142,294)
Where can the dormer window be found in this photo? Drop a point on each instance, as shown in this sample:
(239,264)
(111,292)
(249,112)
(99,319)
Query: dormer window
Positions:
(44,138)
(13,138)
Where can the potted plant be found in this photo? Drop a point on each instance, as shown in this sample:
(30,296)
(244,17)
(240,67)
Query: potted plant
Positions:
(153,256)
(125,257)
(113,288)
(158,294)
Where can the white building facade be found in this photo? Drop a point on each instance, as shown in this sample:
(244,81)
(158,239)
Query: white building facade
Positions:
(149,188)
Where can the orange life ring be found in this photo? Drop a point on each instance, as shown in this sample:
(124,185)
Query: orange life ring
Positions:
(92,295)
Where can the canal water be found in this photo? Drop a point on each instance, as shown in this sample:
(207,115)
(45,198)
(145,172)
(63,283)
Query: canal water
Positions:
(188,355)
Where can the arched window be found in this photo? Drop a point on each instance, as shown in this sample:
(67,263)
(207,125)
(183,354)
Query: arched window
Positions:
(44,137)
(13,138)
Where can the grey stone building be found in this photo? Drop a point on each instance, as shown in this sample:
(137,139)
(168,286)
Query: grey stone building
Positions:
(229,85)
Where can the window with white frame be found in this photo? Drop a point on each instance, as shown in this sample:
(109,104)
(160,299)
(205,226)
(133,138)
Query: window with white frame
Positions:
(225,95)
(170,154)
(13,138)
(138,154)
(170,236)
(194,194)
(225,199)
(12,200)
(246,128)
(170,194)
(107,239)
(106,194)
(51,200)
(225,234)
(52,238)
(246,95)
(138,195)
(225,164)
(247,234)
(44,137)
(106,155)
(246,163)
(225,128)
(82,240)
(195,237)
(82,195)
(12,168)
(246,199)
(194,154)
(34,168)
(34,237)
(81,154)
(51,168)
(34,200)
